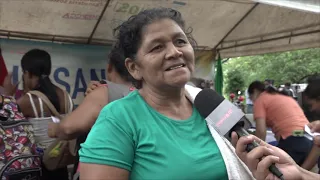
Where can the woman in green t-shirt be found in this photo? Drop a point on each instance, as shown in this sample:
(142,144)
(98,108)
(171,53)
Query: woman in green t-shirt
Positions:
(155,132)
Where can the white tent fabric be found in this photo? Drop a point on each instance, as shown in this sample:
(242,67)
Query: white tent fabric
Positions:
(234,27)
(305,5)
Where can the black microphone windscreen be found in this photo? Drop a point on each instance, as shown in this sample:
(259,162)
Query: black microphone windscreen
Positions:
(206,101)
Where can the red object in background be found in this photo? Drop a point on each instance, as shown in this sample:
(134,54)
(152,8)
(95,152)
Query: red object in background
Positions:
(3,69)
(241,98)
(232,95)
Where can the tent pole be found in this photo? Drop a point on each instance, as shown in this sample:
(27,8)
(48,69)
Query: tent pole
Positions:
(236,25)
(98,22)
(271,39)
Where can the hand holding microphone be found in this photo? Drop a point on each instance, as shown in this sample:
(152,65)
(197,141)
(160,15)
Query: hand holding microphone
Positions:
(261,158)
(224,117)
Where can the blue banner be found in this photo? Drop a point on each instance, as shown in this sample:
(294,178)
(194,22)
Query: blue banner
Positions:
(73,66)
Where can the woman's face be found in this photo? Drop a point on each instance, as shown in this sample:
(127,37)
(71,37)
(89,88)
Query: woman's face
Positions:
(165,58)
(314,104)
(254,96)
(27,82)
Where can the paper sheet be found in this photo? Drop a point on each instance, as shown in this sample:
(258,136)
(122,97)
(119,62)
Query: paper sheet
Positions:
(55,119)
(309,134)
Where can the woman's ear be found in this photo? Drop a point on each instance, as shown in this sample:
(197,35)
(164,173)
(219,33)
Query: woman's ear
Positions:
(28,74)
(133,68)
(109,68)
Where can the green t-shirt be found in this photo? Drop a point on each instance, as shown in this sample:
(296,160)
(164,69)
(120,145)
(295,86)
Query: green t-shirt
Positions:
(130,134)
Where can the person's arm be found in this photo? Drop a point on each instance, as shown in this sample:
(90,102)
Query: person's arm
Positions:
(97,172)
(92,86)
(82,118)
(261,128)
(315,126)
(26,107)
(262,157)
(307,175)
(269,155)
(108,152)
(260,119)
(8,87)
(312,158)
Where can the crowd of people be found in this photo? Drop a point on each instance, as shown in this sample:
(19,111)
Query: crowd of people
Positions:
(140,123)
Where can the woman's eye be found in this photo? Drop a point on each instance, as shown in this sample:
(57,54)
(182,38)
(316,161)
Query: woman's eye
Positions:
(157,48)
(181,42)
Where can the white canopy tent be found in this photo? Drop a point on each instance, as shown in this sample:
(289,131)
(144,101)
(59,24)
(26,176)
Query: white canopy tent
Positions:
(234,27)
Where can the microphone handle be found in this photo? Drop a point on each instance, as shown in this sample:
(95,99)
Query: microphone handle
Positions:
(273,169)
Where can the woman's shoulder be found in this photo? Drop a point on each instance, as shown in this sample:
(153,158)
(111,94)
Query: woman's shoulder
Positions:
(61,92)
(25,104)
(65,100)
(130,100)
(123,113)
(118,107)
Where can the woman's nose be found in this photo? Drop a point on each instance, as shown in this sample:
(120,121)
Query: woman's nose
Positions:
(173,52)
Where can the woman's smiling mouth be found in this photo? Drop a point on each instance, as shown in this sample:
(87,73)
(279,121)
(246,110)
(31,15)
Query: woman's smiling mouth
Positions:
(175,67)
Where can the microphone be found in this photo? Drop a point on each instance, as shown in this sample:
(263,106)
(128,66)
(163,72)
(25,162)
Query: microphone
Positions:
(225,118)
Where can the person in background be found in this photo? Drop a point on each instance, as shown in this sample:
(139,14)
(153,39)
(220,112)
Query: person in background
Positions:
(315,127)
(155,132)
(249,103)
(284,91)
(209,84)
(312,93)
(268,82)
(312,96)
(201,83)
(36,67)
(290,91)
(306,105)
(99,94)
(198,82)
(284,116)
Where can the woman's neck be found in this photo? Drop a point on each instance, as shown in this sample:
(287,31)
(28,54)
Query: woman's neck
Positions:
(121,81)
(169,99)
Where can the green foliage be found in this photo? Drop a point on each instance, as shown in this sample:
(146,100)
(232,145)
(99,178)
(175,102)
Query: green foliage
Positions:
(283,67)
(234,81)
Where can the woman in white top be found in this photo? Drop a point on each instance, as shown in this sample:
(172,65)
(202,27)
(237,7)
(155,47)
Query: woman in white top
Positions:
(36,67)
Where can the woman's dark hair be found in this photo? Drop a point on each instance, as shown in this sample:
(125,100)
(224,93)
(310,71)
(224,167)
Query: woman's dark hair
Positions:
(129,33)
(258,85)
(38,63)
(313,89)
(285,92)
(117,60)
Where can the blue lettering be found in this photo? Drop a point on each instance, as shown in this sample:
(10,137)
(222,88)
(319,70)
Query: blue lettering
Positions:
(103,74)
(77,88)
(15,74)
(58,80)
(94,76)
